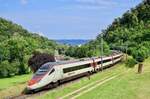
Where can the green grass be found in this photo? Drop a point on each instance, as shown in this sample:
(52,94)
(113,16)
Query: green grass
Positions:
(13,86)
(8,82)
(130,85)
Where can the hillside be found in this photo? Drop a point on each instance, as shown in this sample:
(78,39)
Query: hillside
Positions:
(132,30)
(17,45)
(130,33)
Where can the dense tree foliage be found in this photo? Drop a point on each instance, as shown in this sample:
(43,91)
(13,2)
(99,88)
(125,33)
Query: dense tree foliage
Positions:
(140,54)
(131,32)
(91,49)
(17,45)
(38,59)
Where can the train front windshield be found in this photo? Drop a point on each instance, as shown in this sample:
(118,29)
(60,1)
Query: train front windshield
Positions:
(40,73)
(43,69)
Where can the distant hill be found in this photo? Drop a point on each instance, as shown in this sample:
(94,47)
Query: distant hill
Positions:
(73,42)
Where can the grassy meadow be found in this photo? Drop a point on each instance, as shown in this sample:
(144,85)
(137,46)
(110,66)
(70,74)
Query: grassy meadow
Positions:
(14,85)
(129,84)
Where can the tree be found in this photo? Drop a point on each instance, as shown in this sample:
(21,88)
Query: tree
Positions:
(131,29)
(17,45)
(17,50)
(140,54)
(7,69)
(38,59)
(91,49)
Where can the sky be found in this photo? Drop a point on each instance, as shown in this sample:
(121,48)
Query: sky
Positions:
(65,19)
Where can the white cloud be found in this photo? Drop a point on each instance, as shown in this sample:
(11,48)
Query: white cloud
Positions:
(94,2)
(40,33)
(98,2)
(24,2)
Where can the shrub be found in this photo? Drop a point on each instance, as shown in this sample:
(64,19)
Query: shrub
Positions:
(140,54)
(6,69)
(131,63)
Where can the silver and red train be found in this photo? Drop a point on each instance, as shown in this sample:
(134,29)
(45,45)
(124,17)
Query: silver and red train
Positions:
(52,73)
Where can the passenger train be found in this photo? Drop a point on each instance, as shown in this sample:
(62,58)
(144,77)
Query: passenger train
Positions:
(52,73)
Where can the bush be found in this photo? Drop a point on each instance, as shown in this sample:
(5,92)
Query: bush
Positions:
(6,69)
(15,66)
(140,54)
(131,63)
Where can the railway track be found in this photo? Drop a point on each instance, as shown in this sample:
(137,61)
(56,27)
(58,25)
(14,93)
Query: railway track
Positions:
(74,93)
(96,85)
(89,87)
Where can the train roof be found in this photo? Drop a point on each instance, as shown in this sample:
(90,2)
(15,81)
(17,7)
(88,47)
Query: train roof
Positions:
(65,62)
(70,61)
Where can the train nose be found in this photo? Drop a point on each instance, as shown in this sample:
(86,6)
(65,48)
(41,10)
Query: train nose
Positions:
(33,81)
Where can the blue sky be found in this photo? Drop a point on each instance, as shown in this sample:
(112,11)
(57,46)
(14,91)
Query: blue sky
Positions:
(65,19)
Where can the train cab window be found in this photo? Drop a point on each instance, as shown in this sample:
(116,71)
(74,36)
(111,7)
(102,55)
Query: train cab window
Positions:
(52,71)
(41,72)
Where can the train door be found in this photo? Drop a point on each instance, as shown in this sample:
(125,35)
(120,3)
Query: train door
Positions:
(112,59)
(57,75)
(94,64)
(51,75)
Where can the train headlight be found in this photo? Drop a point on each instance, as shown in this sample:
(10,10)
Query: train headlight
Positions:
(33,81)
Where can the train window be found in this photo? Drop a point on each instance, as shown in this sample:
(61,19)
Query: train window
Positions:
(65,70)
(117,57)
(52,71)
(104,61)
(40,72)
(45,66)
